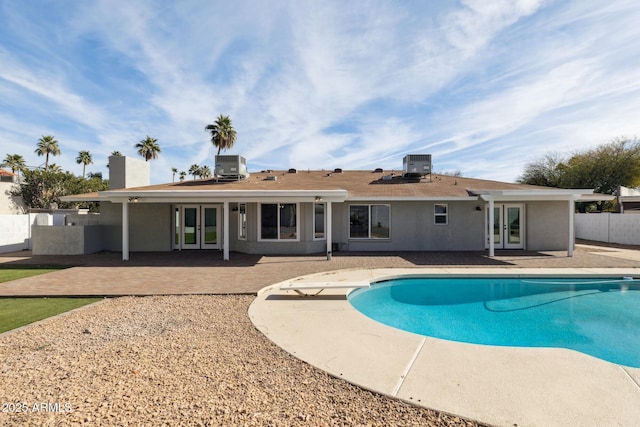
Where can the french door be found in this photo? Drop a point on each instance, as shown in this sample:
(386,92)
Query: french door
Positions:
(507,229)
(198,227)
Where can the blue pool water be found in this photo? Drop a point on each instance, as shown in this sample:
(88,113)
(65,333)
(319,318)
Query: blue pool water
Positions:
(600,317)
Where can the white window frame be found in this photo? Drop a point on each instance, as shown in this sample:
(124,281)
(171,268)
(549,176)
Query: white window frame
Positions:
(278,239)
(441,215)
(240,236)
(324,218)
(369,205)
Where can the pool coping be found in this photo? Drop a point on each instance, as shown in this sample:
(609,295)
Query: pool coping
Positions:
(495,385)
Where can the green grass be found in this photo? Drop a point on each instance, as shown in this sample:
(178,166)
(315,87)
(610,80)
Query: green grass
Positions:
(16,312)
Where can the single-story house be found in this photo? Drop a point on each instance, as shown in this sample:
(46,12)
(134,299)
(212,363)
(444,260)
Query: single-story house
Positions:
(324,211)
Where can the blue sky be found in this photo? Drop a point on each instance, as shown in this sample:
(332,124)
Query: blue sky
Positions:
(484,86)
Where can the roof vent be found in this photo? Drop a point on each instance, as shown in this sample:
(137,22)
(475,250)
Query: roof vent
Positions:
(378,170)
(271,178)
(337,170)
(416,165)
(387,177)
(292,170)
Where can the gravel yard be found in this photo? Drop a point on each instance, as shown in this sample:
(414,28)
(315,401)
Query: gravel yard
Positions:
(192,360)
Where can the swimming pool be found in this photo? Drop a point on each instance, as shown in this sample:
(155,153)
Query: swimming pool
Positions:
(599,316)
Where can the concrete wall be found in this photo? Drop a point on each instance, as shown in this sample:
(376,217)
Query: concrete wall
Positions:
(10,205)
(69,240)
(15,232)
(609,227)
(149,227)
(547,225)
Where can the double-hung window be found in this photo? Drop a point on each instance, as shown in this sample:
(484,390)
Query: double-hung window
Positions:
(369,221)
(440,214)
(278,221)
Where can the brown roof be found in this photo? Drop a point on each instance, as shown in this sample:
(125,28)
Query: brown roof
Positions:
(357,184)
(6,173)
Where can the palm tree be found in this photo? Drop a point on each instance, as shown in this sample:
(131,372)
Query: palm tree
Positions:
(84,157)
(174,171)
(15,162)
(116,153)
(205,172)
(194,170)
(223,135)
(182,175)
(54,168)
(148,148)
(47,145)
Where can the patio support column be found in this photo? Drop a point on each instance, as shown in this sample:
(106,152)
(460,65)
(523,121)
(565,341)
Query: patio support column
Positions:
(225,227)
(492,243)
(328,231)
(572,237)
(125,231)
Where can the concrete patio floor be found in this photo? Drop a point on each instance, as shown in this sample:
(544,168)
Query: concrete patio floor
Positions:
(504,386)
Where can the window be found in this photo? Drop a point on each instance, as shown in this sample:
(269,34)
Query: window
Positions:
(242,221)
(319,222)
(440,214)
(369,221)
(278,221)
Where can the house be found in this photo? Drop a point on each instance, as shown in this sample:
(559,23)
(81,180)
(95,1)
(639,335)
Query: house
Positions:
(10,204)
(629,199)
(318,211)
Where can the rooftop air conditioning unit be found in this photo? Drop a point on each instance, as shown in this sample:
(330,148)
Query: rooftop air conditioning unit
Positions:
(416,165)
(231,167)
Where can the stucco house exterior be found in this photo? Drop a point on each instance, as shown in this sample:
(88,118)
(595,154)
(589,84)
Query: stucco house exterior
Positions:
(324,211)
(10,204)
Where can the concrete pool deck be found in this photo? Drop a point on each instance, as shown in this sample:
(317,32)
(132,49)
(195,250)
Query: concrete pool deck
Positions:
(503,386)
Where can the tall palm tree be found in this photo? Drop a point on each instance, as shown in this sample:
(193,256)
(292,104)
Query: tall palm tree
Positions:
(182,175)
(194,170)
(116,153)
(15,162)
(223,135)
(54,168)
(174,171)
(47,145)
(148,148)
(205,172)
(84,157)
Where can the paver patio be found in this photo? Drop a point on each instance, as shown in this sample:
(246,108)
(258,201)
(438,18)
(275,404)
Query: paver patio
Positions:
(204,272)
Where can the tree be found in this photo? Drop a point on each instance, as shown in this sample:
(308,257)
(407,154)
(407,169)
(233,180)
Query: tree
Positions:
(84,158)
(546,171)
(174,171)
(182,175)
(15,162)
(223,135)
(205,172)
(116,153)
(148,148)
(47,145)
(194,170)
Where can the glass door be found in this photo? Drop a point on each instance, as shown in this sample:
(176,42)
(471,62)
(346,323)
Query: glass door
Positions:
(191,227)
(199,227)
(210,232)
(507,226)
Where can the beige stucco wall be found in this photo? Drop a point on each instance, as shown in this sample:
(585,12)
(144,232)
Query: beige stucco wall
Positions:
(66,240)
(547,225)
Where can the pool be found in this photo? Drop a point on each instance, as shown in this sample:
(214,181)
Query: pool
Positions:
(597,316)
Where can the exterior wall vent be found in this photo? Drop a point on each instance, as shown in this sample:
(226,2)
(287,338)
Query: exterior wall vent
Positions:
(378,170)
(231,167)
(416,165)
(337,170)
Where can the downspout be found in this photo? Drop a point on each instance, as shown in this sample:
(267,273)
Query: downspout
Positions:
(125,231)
(328,231)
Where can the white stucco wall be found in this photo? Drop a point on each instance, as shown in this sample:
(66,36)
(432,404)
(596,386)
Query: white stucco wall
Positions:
(609,227)
(15,232)
(10,205)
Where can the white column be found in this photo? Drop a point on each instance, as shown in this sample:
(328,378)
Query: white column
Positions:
(125,231)
(225,227)
(328,231)
(572,238)
(492,243)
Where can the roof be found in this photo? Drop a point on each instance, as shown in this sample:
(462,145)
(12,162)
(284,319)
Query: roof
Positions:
(346,185)
(6,173)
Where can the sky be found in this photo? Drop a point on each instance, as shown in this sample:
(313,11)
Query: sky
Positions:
(484,86)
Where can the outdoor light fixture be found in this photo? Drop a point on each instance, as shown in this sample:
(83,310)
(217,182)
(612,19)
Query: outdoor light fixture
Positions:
(318,199)
(133,199)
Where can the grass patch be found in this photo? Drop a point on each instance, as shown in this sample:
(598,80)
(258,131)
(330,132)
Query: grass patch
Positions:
(16,312)
(7,274)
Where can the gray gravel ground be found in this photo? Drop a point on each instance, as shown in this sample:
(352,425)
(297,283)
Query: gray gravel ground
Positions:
(176,360)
